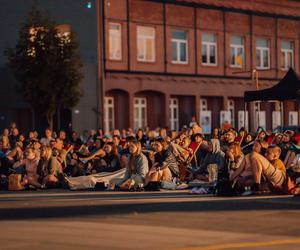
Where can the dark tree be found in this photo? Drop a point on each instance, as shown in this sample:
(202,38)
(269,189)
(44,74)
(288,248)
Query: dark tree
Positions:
(47,65)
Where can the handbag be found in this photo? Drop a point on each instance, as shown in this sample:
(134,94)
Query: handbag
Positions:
(15,182)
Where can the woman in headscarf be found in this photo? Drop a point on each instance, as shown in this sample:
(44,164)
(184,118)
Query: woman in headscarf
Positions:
(214,156)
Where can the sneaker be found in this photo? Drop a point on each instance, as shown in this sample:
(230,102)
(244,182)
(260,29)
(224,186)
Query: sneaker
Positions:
(168,185)
(193,190)
(247,192)
(182,186)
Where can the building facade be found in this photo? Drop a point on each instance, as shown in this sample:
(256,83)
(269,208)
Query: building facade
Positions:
(166,61)
(158,63)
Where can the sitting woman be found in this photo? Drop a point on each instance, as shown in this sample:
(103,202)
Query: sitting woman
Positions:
(5,141)
(240,170)
(137,168)
(31,162)
(247,144)
(110,162)
(13,159)
(234,155)
(214,156)
(162,162)
(48,168)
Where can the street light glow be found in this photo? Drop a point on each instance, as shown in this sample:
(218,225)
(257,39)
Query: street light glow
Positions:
(89,5)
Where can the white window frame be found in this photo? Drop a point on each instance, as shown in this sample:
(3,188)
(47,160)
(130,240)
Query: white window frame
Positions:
(114,35)
(178,42)
(174,107)
(284,53)
(208,45)
(261,55)
(236,47)
(142,39)
(109,106)
(231,108)
(140,103)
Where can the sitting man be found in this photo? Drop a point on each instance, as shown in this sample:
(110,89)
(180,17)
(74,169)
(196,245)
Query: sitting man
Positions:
(271,167)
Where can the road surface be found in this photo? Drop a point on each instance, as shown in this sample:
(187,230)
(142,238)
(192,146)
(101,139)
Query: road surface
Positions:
(59,219)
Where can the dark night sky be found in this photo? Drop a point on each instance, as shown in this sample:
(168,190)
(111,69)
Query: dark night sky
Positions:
(74,12)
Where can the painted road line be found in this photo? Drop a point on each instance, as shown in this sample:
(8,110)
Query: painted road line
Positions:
(246,245)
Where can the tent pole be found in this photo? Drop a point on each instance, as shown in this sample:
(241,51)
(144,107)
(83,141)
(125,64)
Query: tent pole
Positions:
(281,114)
(245,108)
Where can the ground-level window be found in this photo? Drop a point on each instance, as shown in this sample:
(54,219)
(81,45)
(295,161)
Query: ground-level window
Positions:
(109,114)
(174,114)
(140,112)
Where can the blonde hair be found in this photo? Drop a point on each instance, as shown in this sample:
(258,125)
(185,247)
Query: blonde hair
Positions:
(237,150)
(139,147)
(48,152)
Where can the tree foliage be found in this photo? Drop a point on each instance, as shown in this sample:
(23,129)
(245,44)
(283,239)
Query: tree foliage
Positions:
(47,65)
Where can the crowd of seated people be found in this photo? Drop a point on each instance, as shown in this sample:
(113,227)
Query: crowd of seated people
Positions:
(259,162)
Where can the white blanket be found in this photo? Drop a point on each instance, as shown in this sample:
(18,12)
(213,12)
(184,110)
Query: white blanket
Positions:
(90,181)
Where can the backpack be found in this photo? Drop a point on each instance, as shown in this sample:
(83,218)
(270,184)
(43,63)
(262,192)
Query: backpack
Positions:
(224,188)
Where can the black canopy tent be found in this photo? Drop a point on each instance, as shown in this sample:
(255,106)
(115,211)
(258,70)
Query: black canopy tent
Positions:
(288,88)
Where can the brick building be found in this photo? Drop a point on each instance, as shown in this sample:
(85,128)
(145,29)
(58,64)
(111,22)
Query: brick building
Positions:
(166,61)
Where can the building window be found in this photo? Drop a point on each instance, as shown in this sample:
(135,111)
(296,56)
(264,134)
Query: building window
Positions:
(209,49)
(109,114)
(287,55)
(140,112)
(179,47)
(262,54)
(232,111)
(237,51)
(174,114)
(115,41)
(145,44)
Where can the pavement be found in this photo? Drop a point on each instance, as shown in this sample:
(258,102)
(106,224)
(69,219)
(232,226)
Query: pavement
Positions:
(61,219)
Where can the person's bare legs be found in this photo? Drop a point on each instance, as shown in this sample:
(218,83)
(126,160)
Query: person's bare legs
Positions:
(166,175)
(153,175)
(257,164)
(33,181)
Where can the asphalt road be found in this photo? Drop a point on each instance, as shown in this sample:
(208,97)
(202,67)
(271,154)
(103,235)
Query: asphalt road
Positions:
(57,219)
